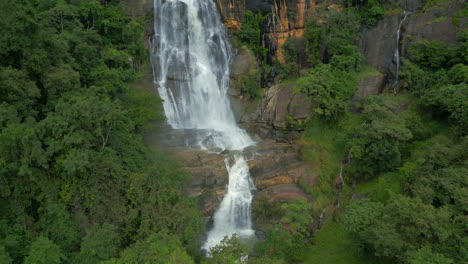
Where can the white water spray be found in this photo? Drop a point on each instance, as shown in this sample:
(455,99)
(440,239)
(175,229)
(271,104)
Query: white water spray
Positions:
(191,56)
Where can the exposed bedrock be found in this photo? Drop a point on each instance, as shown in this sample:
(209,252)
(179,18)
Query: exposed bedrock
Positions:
(271,164)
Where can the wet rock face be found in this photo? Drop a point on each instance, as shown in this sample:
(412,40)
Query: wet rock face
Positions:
(272,164)
(263,6)
(244,65)
(378,44)
(436,23)
(232,11)
(410,5)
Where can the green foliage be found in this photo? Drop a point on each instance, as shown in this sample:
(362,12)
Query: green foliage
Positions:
(440,86)
(4,256)
(371,12)
(160,248)
(313,35)
(157,204)
(57,225)
(266,259)
(229,251)
(361,214)
(44,251)
(329,91)
(458,74)
(334,245)
(452,99)
(251,84)
(76,182)
(298,215)
(426,256)
(348,59)
(100,243)
(250,34)
(288,240)
(403,225)
(282,244)
(265,211)
(290,68)
(429,54)
(377,146)
(339,30)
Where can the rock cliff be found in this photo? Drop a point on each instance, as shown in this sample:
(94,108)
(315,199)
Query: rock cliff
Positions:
(286,19)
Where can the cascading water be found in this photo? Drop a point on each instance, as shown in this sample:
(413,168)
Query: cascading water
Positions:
(396,54)
(191,56)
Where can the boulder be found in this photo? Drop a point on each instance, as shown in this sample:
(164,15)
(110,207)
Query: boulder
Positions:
(280,108)
(370,85)
(244,62)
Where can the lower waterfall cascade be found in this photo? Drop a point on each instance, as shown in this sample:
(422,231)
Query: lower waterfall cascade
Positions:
(191,56)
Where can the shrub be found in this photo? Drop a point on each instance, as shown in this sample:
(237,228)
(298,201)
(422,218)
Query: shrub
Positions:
(431,55)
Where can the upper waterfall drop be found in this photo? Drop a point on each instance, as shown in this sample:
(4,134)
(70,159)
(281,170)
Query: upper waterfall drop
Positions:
(191,58)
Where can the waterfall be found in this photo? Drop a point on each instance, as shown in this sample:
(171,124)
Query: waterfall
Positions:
(396,54)
(191,56)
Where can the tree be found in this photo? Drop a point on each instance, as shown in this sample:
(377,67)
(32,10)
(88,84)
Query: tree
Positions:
(100,243)
(16,89)
(361,214)
(4,256)
(44,251)
(429,54)
(329,91)
(378,142)
(426,256)
(298,215)
(160,248)
(58,226)
(402,226)
(230,251)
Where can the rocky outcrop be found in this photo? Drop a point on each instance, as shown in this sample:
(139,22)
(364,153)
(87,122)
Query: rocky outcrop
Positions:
(410,5)
(378,44)
(232,11)
(281,193)
(286,20)
(244,67)
(435,23)
(370,85)
(137,8)
(281,108)
(272,164)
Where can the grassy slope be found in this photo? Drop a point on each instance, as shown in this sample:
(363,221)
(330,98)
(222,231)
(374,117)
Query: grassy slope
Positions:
(333,245)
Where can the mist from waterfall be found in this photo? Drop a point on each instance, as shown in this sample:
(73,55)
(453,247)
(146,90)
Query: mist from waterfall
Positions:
(191,56)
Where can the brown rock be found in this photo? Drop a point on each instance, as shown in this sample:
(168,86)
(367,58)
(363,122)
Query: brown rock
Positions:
(281,193)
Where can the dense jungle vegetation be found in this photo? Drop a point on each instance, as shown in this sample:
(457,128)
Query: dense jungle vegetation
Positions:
(77,184)
(405,155)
